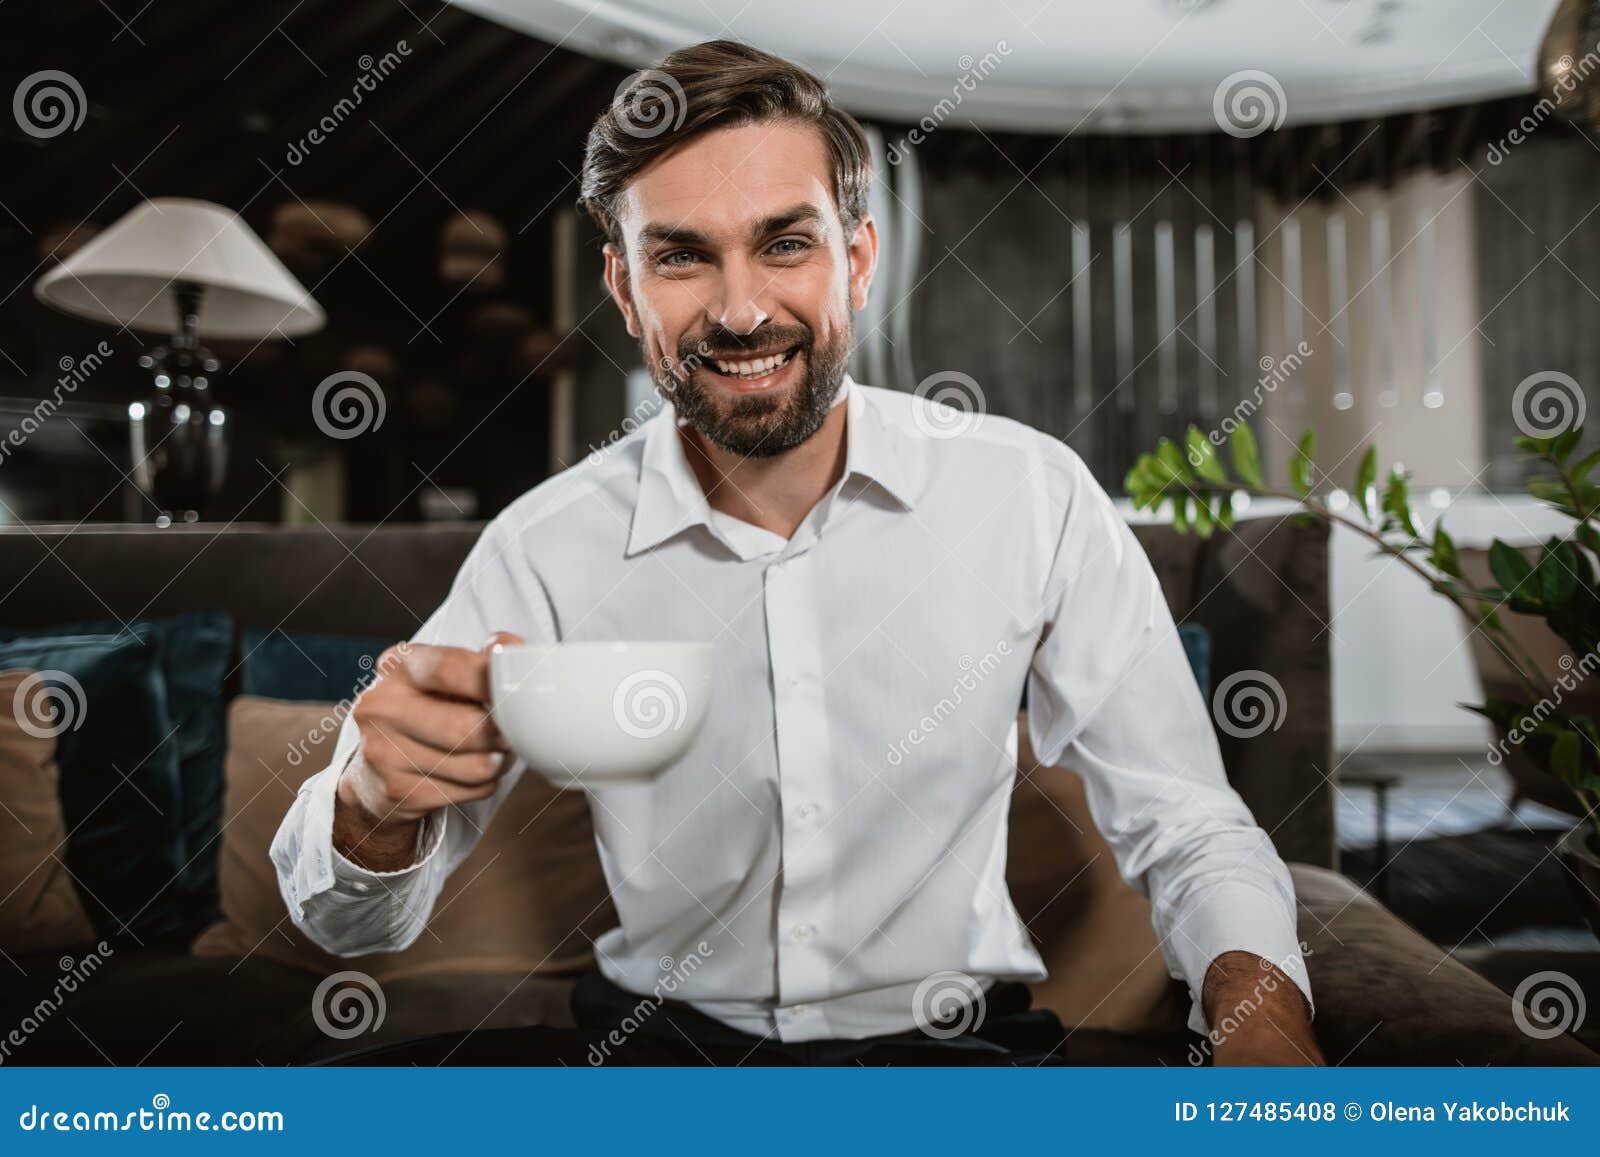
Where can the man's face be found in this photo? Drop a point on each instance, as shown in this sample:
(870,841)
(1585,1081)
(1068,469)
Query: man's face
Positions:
(739,283)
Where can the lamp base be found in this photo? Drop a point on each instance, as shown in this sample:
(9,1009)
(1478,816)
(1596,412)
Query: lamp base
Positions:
(179,436)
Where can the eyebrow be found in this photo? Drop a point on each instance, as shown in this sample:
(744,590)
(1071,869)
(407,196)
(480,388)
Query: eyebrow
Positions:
(657,234)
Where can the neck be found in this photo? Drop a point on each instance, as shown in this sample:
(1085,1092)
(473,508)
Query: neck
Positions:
(773,493)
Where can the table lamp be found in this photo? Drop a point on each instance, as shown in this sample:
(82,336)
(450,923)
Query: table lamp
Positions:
(190,269)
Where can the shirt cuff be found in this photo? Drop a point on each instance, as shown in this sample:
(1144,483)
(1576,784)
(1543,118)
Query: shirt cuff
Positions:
(352,879)
(1235,917)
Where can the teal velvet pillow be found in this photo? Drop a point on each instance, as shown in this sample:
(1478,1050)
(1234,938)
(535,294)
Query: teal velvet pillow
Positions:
(105,701)
(193,652)
(324,668)
(1196,642)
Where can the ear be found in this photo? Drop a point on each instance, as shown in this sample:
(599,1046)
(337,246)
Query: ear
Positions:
(863,250)
(619,286)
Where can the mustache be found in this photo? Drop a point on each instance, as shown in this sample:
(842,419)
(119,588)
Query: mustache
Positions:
(726,343)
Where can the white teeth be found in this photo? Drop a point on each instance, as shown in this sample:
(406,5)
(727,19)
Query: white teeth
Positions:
(752,369)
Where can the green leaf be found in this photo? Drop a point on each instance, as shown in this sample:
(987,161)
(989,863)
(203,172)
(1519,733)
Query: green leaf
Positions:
(1203,457)
(1397,501)
(1565,443)
(1566,757)
(1443,555)
(1557,573)
(1581,470)
(1225,512)
(1172,458)
(1366,490)
(1553,492)
(1150,479)
(1510,568)
(1300,466)
(1180,512)
(1246,458)
(1202,516)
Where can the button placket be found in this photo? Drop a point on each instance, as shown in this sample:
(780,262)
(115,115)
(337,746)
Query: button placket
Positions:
(803,755)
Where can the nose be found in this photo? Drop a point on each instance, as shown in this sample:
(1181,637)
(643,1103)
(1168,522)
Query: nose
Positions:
(740,310)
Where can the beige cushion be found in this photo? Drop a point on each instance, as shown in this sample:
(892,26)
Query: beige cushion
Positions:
(530,897)
(1092,929)
(39,908)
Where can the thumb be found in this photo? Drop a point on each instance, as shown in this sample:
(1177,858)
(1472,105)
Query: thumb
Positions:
(503,639)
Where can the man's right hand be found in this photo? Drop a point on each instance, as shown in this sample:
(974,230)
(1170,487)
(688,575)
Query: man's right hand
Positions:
(427,741)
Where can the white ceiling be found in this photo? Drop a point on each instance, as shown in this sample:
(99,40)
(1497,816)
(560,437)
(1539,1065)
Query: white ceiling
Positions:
(1123,65)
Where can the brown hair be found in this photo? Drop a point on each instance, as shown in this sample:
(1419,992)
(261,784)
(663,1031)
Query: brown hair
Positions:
(714,85)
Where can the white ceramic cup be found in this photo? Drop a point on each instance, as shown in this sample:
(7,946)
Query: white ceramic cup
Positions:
(600,714)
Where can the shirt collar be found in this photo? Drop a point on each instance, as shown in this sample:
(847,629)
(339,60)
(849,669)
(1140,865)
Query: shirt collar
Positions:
(671,501)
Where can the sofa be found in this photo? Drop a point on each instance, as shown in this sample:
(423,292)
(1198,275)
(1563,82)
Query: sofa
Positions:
(247,990)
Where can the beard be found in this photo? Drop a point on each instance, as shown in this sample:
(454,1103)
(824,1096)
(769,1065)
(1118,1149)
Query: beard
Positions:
(755,425)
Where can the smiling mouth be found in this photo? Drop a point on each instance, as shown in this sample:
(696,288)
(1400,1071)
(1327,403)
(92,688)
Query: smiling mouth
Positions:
(747,372)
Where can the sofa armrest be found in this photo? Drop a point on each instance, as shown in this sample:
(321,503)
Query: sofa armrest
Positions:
(1386,995)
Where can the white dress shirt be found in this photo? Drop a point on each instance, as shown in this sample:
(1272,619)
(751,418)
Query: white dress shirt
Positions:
(836,834)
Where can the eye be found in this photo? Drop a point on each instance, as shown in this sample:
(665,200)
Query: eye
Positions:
(678,258)
(789,246)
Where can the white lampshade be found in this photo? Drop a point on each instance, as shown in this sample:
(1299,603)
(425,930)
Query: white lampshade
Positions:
(127,275)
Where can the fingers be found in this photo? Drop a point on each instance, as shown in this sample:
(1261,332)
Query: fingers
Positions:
(394,754)
(394,793)
(449,726)
(451,671)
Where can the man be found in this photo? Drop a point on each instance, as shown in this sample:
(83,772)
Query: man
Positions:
(850,561)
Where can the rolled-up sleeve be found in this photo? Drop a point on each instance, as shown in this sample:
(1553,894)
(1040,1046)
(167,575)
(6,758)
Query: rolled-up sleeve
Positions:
(350,910)
(1111,696)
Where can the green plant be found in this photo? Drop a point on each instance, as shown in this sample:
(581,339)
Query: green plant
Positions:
(1558,585)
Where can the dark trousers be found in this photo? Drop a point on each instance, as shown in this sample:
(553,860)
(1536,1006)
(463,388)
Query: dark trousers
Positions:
(616,1027)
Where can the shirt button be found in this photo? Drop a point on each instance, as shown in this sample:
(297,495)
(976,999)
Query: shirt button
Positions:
(804,932)
(804,812)
(360,887)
